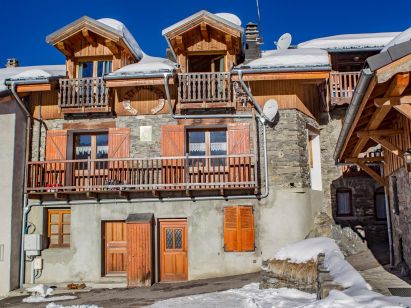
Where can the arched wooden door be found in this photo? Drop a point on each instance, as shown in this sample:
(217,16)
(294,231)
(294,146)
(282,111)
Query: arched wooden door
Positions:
(173,250)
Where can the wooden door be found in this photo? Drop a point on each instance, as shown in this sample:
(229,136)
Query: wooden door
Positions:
(115,248)
(173,250)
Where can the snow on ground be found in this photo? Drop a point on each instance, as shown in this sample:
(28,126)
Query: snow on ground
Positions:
(290,58)
(357,293)
(42,293)
(53,305)
(350,41)
(400,38)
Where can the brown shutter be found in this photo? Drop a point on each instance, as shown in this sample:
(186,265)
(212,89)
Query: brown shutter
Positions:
(246,228)
(231,229)
(56,149)
(172,140)
(119,143)
(238,138)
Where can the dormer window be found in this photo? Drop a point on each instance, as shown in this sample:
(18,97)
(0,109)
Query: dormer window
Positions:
(89,69)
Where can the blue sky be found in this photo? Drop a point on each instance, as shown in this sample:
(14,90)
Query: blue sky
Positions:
(24,32)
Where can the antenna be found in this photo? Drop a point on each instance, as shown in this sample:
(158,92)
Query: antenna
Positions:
(284,41)
(260,36)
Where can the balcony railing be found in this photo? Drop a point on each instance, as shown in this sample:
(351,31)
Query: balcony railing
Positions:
(204,89)
(83,93)
(143,174)
(342,86)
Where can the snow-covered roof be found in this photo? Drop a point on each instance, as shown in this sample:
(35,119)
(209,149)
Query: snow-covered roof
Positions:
(227,19)
(351,41)
(113,26)
(400,38)
(30,73)
(147,65)
(290,59)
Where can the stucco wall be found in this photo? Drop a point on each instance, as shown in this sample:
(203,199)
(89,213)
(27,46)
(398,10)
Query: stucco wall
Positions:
(12,140)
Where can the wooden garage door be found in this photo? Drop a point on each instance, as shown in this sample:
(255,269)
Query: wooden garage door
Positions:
(173,250)
(115,248)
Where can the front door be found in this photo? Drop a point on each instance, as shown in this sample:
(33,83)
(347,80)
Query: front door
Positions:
(115,248)
(173,250)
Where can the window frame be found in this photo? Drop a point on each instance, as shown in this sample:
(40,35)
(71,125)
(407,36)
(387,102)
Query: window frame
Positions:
(60,224)
(344,190)
(95,61)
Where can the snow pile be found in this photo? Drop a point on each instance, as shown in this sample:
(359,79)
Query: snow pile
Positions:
(400,38)
(290,58)
(53,305)
(41,293)
(230,17)
(350,41)
(147,65)
(357,294)
(30,73)
(122,30)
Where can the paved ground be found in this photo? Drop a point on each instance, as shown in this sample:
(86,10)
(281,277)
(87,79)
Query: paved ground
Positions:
(138,297)
(375,274)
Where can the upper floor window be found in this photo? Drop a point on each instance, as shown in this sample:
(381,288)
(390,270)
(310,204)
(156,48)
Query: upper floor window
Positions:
(380,209)
(91,146)
(206,63)
(88,69)
(344,206)
(207,143)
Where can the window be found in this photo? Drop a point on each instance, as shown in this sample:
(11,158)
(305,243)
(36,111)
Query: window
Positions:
(91,145)
(238,229)
(344,206)
(379,200)
(59,221)
(88,69)
(396,201)
(207,143)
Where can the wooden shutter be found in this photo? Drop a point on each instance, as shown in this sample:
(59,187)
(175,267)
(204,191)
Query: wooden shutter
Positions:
(119,143)
(238,138)
(230,229)
(172,140)
(246,228)
(56,149)
(238,228)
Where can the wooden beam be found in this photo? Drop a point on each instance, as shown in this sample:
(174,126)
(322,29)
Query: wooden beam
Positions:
(355,160)
(405,110)
(388,145)
(91,39)
(112,46)
(392,101)
(372,173)
(180,43)
(67,51)
(204,32)
(381,132)
(229,43)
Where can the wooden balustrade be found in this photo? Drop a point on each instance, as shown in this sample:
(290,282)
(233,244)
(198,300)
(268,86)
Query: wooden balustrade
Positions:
(83,93)
(204,87)
(342,86)
(143,174)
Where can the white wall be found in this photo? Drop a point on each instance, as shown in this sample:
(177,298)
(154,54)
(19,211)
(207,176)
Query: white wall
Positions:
(315,171)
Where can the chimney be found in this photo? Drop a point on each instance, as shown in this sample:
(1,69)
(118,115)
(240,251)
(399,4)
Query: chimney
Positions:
(12,62)
(252,42)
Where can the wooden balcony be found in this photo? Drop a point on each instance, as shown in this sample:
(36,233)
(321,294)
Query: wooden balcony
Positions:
(204,90)
(210,175)
(342,86)
(82,95)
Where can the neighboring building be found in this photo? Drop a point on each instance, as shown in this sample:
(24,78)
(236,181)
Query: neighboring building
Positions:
(147,170)
(379,115)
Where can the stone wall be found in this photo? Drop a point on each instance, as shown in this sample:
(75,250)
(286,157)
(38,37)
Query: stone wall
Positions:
(401,219)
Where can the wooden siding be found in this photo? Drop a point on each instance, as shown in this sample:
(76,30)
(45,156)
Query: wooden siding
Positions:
(140,271)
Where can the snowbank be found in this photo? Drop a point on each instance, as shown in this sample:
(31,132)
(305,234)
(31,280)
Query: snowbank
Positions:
(148,65)
(53,305)
(350,41)
(30,73)
(400,38)
(41,293)
(290,58)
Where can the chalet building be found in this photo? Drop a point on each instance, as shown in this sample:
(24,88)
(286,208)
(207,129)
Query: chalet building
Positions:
(141,169)
(379,116)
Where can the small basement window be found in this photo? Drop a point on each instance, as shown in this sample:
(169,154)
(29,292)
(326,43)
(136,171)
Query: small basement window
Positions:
(59,225)
(344,202)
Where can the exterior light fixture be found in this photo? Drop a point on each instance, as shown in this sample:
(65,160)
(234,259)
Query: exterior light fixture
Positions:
(407,160)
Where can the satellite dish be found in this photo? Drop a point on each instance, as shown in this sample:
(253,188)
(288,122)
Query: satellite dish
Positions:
(270,109)
(284,41)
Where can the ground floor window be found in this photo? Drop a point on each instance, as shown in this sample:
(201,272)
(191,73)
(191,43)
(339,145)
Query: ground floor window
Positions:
(380,208)
(238,228)
(344,206)
(59,225)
